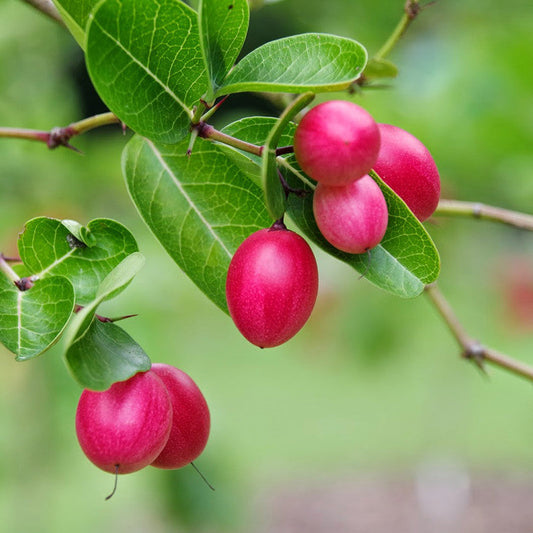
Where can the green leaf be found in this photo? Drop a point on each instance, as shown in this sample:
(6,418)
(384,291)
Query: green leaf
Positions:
(308,62)
(81,233)
(147,65)
(200,207)
(100,353)
(404,261)
(223,28)
(47,248)
(104,355)
(380,68)
(75,14)
(275,197)
(31,321)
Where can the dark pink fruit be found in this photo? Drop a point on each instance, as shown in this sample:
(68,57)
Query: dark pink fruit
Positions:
(271,286)
(190,419)
(352,218)
(125,428)
(336,142)
(407,167)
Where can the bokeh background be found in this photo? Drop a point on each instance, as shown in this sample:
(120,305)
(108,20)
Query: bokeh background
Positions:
(368,420)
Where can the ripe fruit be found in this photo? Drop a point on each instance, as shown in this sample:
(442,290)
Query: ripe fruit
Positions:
(352,218)
(124,428)
(407,167)
(336,142)
(271,286)
(190,419)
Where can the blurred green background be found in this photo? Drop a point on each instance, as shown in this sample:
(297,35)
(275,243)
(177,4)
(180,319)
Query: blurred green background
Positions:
(373,386)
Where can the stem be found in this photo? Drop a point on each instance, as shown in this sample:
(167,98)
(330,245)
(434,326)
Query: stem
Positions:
(411,10)
(485,212)
(206,131)
(47,8)
(61,136)
(283,162)
(7,270)
(472,349)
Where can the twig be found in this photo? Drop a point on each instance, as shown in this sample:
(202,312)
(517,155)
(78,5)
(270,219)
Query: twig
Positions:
(7,270)
(485,212)
(472,349)
(47,8)
(61,136)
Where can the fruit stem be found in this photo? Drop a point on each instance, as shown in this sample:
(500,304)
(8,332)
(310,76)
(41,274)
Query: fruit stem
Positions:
(278,225)
(202,476)
(115,485)
(472,349)
(411,10)
(485,212)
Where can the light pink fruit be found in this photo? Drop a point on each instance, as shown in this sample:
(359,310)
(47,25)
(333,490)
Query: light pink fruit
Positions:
(125,428)
(352,218)
(190,419)
(408,168)
(271,286)
(336,142)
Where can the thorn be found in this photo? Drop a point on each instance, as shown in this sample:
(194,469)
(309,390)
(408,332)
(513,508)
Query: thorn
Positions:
(124,128)
(106,319)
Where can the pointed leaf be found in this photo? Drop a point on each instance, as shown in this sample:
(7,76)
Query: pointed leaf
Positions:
(223,28)
(75,14)
(31,321)
(146,63)
(199,207)
(47,248)
(275,198)
(104,355)
(308,62)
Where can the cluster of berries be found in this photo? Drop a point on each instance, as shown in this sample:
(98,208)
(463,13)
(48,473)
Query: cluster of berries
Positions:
(272,280)
(157,418)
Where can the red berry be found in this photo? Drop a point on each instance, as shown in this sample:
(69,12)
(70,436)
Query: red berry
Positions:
(352,218)
(190,419)
(124,428)
(271,286)
(336,142)
(407,167)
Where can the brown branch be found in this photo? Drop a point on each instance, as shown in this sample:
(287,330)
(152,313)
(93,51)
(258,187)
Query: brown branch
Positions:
(471,348)
(485,212)
(61,136)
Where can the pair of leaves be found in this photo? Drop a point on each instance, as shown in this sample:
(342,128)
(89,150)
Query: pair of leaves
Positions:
(203,206)
(153,64)
(66,264)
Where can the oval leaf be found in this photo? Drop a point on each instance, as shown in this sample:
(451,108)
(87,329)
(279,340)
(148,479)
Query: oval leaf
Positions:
(223,28)
(31,321)
(308,62)
(199,207)
(104,355)
(146,64)
(47,248)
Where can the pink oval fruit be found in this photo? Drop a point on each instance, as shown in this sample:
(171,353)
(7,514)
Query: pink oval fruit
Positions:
(124,428)
(408,168)
(190,419)
(271,286)
(336,142)
(352,218)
